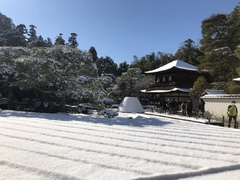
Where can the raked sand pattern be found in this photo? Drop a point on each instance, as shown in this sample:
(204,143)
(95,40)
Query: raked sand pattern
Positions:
(59,146)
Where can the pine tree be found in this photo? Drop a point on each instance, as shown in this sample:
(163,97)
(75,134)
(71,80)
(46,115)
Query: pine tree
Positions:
(32,33)
(93,51)
(6,23)
(219,58)
(128,83)
(106,65)
(48,42)
(199,87)
(123,67)
(59,40)
(189,52)
(73,40)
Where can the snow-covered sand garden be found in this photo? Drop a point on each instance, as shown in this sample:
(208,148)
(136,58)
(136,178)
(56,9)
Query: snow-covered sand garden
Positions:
(128,146)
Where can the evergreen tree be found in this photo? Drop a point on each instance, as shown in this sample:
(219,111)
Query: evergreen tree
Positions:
(32,33)
(123,67)
(23,32)
(165,58)
(65,72)
(59,40)
(22,29)
(6,23)
(106,65)
(93,51)
(215,32)
(11,38)
(9,35)
(128,83)
(145,63)
(48,42)
(73,40)
(188,52)
(152,61)
(234,29)
(7,69)
(107,81)
(199,87)
(221,64)
(237,52)
(73,71)
(233,88)
(219,58)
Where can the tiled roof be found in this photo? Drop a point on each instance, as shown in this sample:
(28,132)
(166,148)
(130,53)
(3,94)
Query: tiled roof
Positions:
(221,96)
(177,64)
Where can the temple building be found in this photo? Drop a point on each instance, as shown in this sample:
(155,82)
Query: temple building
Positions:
(173,80)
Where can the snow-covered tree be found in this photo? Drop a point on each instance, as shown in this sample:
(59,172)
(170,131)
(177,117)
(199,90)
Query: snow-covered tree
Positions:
(8,57)
(69,66)
(59,40)
(106,65)
(6,23)
(221,63)
(11,37)
(61,70)
(129,83)
(48,42)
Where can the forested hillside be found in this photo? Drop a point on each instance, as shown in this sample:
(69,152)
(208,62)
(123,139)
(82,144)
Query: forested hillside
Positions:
(36,69)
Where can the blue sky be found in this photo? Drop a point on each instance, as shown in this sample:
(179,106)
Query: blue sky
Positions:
(119,29)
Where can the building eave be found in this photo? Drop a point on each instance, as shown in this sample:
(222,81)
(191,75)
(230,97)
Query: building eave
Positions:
(186,90)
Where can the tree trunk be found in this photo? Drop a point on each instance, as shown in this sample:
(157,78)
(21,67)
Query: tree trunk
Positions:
(62,104)
(42,107)
(10,98)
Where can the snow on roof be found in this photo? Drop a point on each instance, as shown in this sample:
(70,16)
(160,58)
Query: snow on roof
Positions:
(166,91)
(131,104)
(177,64)
(218,94)
(214,91)
(236,79)
(221,96)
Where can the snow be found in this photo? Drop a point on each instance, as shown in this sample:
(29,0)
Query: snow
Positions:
(128,146)
(164,91)
(236,79)
(177,64)
(131,104)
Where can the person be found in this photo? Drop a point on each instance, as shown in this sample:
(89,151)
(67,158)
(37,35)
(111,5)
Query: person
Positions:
(164,105)
(173,106)
(201,107)
(183,108)
(168,106)
(189,108)
(232,112)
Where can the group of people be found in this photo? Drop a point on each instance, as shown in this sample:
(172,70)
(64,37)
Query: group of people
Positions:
(187,108)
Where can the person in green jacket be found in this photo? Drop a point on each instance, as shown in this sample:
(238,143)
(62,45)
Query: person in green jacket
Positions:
(232,114)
